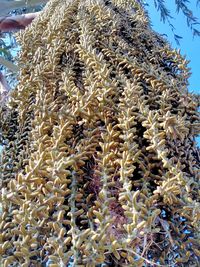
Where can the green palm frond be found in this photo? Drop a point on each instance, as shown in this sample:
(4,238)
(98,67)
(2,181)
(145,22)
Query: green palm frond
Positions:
(5,52)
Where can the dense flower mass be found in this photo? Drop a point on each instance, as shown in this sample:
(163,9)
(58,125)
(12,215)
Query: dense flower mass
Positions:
(99,166)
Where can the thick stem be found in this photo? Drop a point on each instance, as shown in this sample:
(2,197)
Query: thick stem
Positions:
(13,23)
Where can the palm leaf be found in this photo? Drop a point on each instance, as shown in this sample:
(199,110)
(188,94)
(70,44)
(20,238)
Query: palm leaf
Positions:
(8,6)
(5,52)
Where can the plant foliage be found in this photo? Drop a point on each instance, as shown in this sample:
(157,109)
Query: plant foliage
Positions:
(99,165)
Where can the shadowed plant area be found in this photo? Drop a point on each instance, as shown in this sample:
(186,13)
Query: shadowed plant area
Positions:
(100,165)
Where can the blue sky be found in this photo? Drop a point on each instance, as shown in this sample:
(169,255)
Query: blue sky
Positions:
(189,46)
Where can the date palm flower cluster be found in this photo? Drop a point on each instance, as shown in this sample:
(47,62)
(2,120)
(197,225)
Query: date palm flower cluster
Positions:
(100,165)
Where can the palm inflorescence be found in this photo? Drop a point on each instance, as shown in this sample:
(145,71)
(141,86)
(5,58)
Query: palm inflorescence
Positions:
(99,166)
